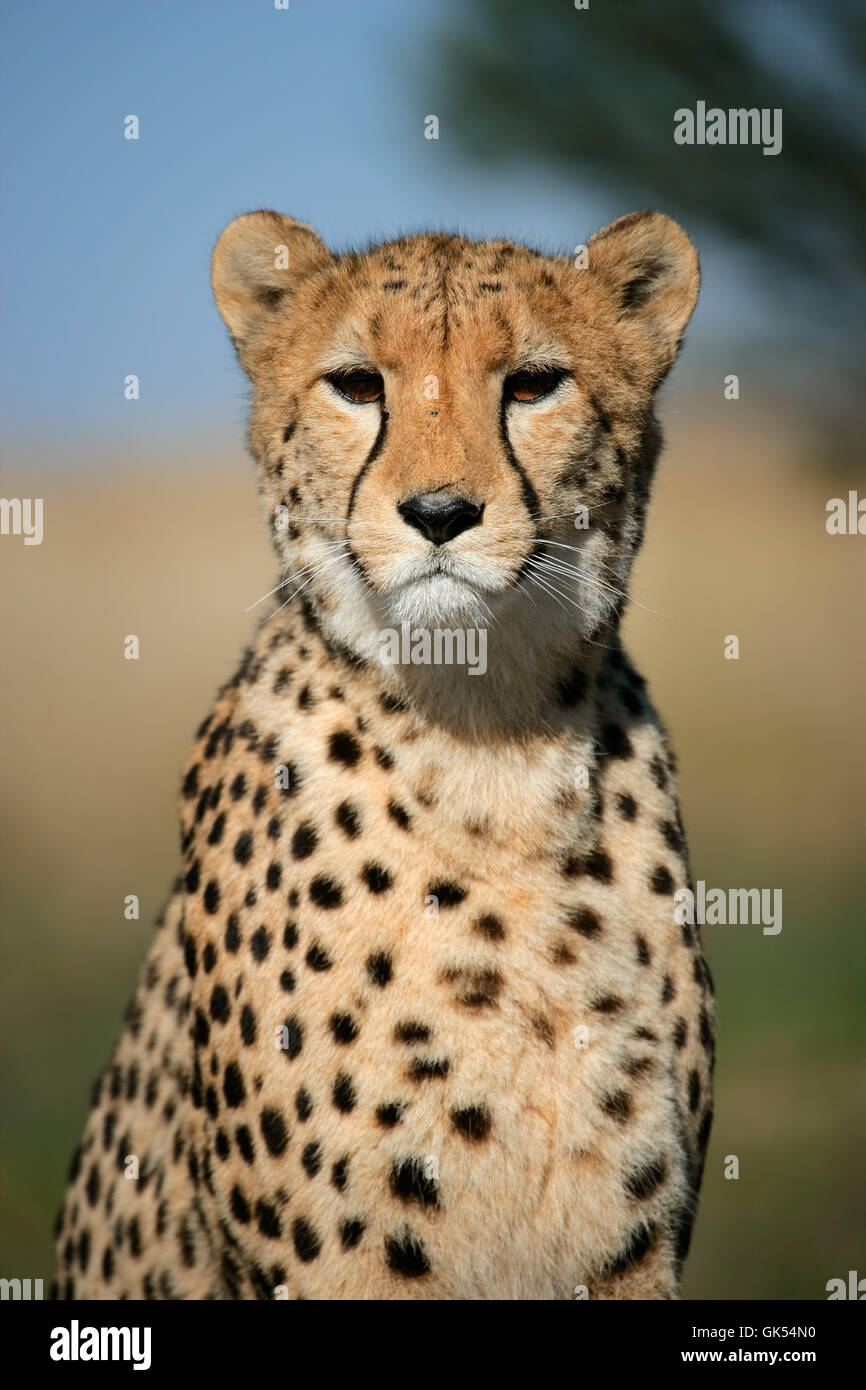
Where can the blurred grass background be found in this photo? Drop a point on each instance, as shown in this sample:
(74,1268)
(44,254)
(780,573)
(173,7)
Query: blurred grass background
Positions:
(152,526)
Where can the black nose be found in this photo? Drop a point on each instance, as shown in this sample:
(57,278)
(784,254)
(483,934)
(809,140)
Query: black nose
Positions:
(439,515)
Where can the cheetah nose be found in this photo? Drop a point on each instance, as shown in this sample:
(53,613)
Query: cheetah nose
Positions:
(440,516)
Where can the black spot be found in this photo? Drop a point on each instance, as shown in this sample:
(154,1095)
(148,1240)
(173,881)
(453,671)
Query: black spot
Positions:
(219,1005)
(190,783)
(428,1068)
(209,957)
(384,759)
(244,1142)
(134,1234)
(410,1183)
(638,1246)
(351,1232)
(243,850)
(390,1114)
(391,704)
(287,981)
(412,1032)
(340,1173)
(607,1004)
(626,805)
(294,1037)
(344,748)
(585,921)
(661,881)
(249,1026)
(240,1206)
(325,892)
(93,1186)
(290,933)
(377,879)
(706,1031)
(238,787)
(694,1091)
(668,990)
(672,836)
(212,897)
(490,927)
(303,1104)
(704,1131)
(406,1255)
(681,1033)
(311,1158)
(399,815)
(448,894)
(269,1222)
(304,841)
(343,1027)
(642,1182)
(232,936)
(598,865)
(343,1093)
(642,949)
(474,987)
(307,1243)
(317,958)
(472,1122)
(348,819)
(617,1104)
(260,943)
(379,968)
(190,956)
(233,1085)
(659,773)
(274,877)
(638,1066)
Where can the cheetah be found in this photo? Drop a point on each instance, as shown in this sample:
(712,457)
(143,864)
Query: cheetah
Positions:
(420,1020)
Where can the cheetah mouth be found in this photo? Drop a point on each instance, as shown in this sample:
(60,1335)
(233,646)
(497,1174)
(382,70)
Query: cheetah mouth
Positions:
(437,597)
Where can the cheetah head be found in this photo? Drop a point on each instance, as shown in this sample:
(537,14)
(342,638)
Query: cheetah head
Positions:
(455,432)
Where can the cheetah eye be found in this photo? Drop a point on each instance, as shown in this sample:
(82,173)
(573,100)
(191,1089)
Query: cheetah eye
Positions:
(531,383)
(358,384)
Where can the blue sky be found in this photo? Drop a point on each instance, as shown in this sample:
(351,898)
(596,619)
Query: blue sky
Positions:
(317,111)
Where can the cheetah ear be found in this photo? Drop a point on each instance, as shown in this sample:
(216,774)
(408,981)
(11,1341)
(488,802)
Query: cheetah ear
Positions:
(259,259)
(650,266)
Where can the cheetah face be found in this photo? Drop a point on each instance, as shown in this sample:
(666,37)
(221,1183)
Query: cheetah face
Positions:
(450,431)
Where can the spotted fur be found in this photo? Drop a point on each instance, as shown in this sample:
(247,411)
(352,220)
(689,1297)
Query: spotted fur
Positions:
(331,1090)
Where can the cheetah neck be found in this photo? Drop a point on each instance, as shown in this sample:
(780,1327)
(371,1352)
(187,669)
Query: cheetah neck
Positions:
(539,678)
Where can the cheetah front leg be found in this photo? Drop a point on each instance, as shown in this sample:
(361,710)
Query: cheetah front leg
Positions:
(133,1224)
